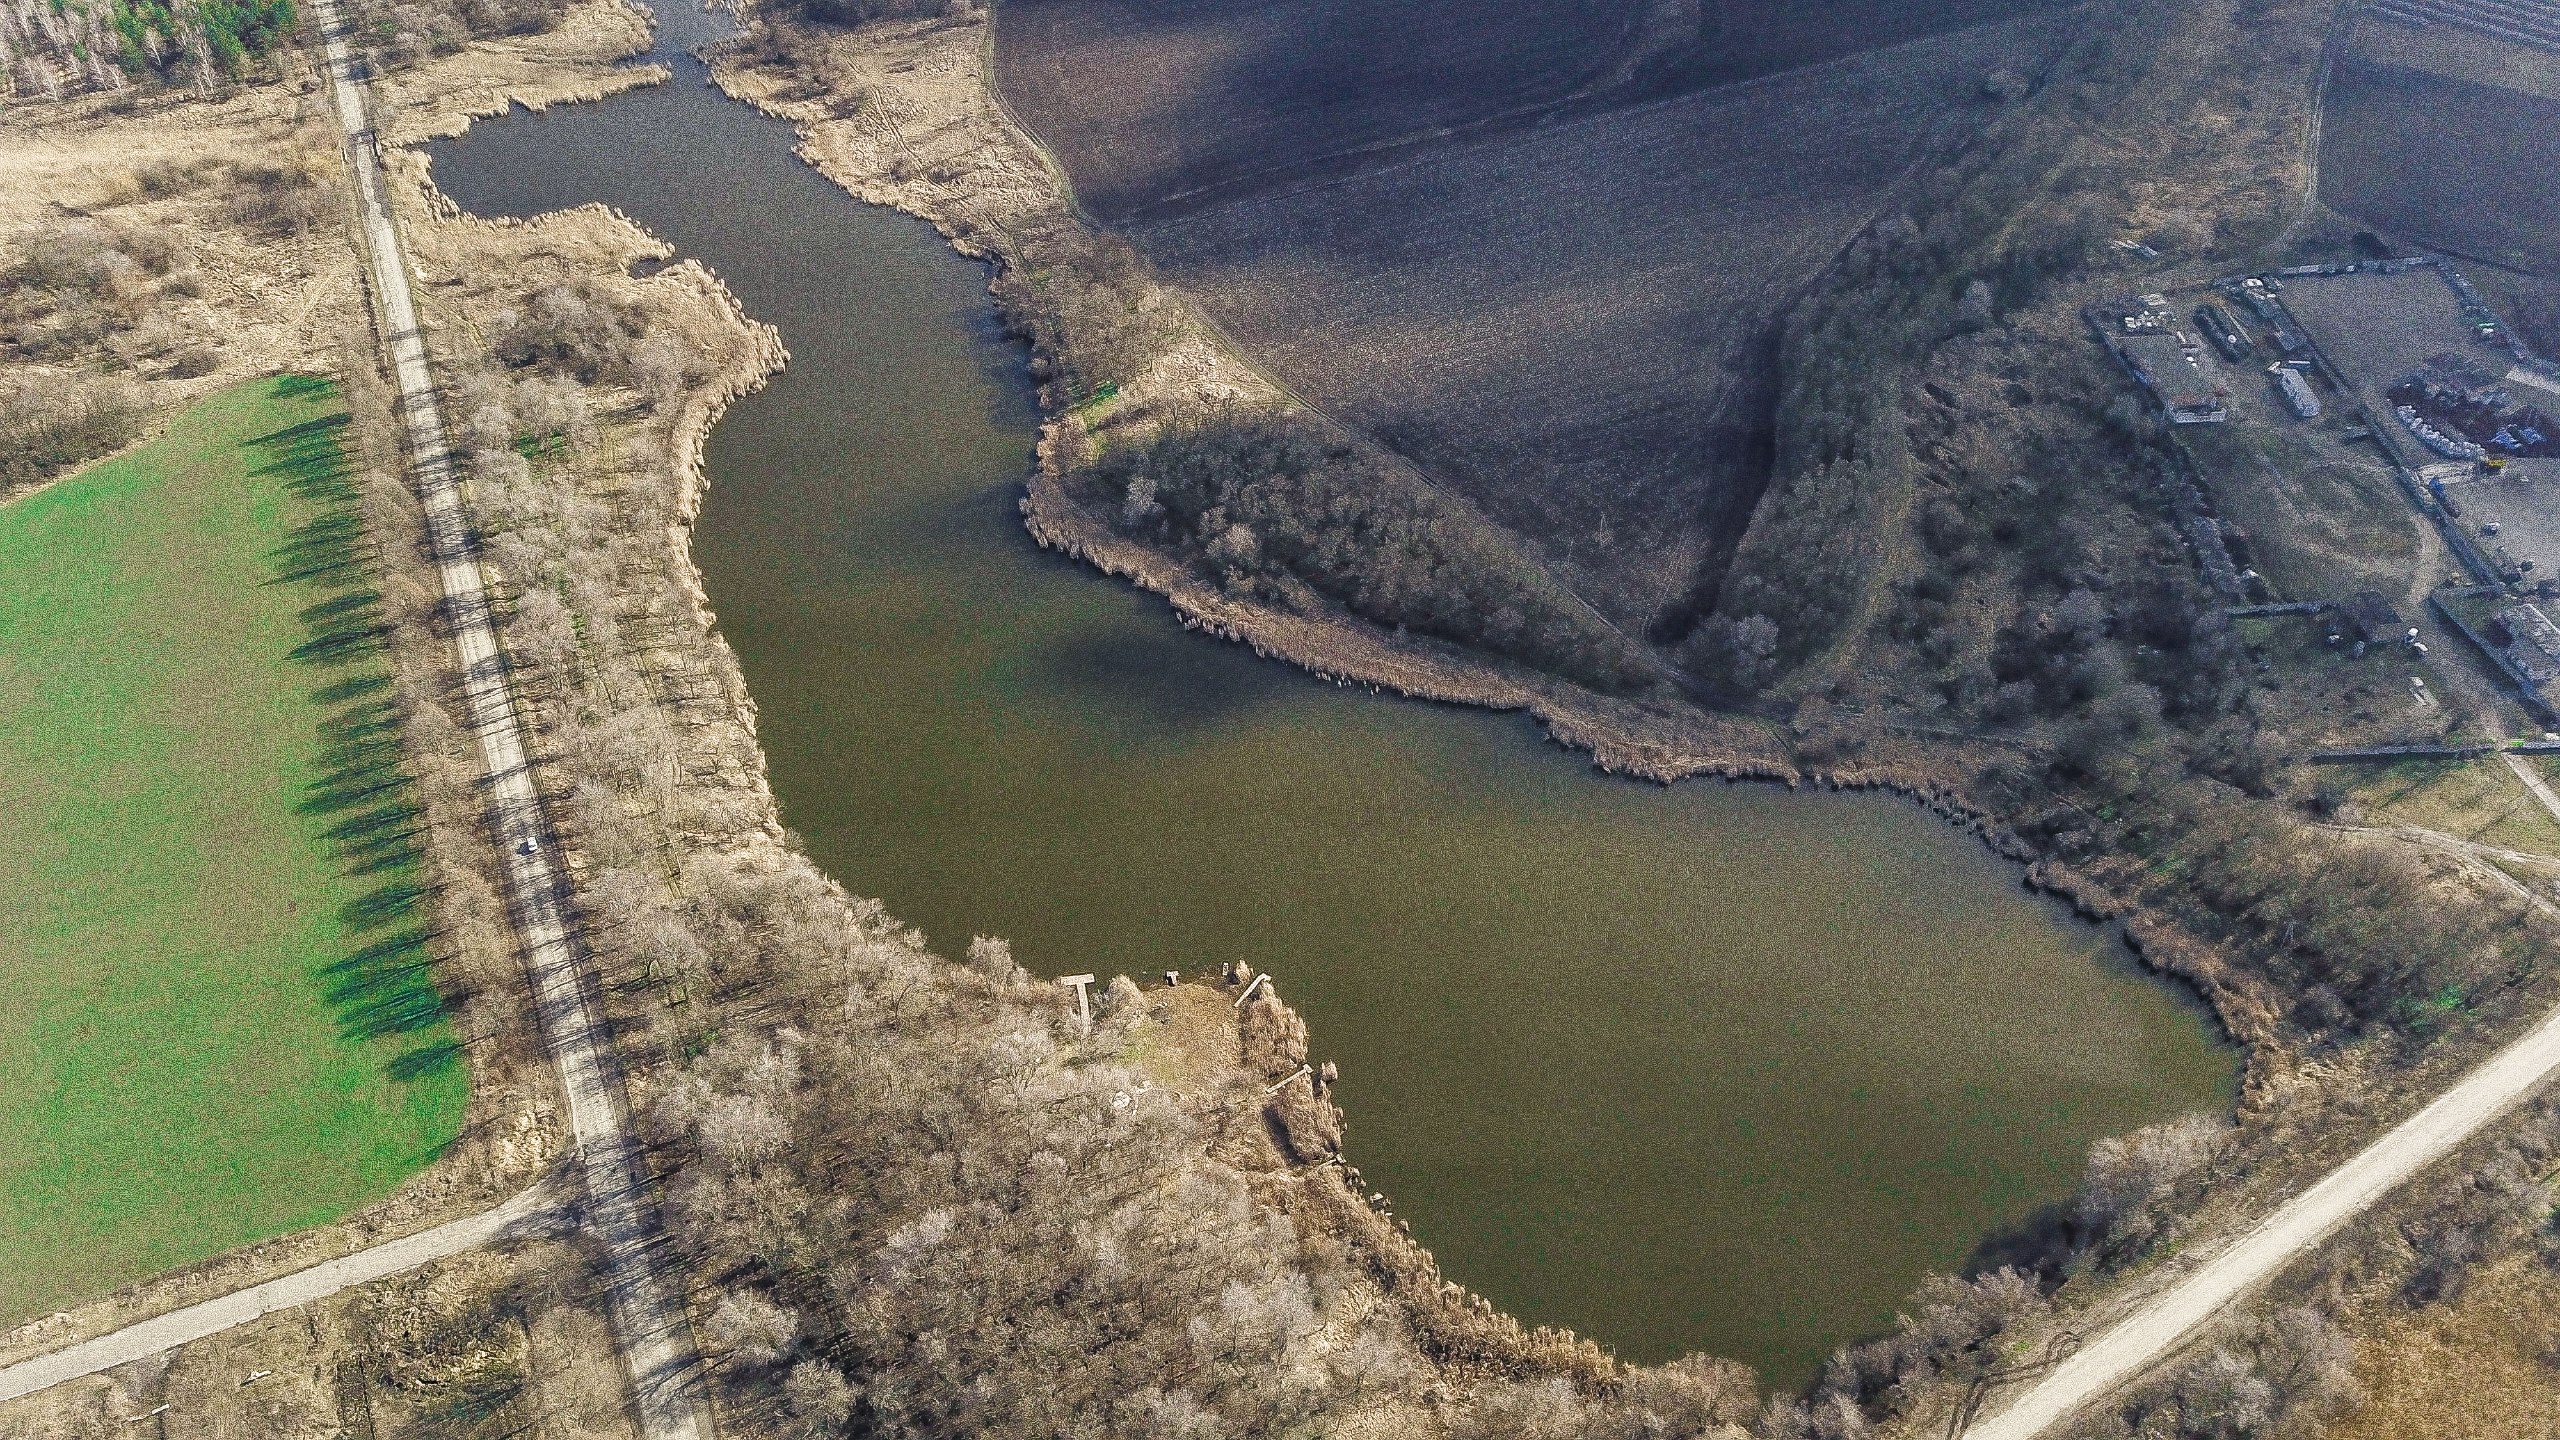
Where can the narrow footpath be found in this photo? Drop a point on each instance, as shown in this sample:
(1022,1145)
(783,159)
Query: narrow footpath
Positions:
(532,1212)
(648,1318)
(2533,781)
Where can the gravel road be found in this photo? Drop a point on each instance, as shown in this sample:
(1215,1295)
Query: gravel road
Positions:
(536,1209)
(648,1319)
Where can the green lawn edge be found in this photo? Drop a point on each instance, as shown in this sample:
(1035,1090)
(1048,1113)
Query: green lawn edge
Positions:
(221,1023)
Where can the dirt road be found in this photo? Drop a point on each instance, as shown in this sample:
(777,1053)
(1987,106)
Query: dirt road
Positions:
(2533,781)
(535,1210)
(2168,1319)
(648,1319)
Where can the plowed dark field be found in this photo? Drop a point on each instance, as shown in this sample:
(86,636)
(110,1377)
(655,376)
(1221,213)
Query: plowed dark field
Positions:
(1566,327)
(1537,247)
(2473,169)
(1157,105)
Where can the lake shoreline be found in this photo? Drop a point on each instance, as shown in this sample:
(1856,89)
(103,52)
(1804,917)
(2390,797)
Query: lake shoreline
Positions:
(1621,737)
(939,78)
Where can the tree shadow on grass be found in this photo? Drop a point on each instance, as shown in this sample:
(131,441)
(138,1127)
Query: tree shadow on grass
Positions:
(347,626)
(387,987)
(426,1060)
(364,799)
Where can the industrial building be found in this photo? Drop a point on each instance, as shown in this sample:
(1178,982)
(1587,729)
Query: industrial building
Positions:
(2295,389)
(2173,368)
(2526,640)
(2260,296)
(2225,333)
(2169,362)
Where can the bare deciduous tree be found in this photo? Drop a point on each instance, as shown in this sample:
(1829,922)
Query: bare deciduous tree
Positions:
(2128,1175)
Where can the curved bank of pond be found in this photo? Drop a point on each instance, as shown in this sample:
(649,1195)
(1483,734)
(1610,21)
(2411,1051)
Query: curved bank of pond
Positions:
(1714,1067)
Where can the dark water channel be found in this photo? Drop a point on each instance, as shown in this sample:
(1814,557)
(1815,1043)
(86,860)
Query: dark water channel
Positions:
(1710,1067)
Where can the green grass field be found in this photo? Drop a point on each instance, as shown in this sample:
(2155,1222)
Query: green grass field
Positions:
(216,1021)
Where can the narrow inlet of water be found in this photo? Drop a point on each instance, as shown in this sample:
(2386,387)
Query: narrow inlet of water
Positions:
(1714,1067)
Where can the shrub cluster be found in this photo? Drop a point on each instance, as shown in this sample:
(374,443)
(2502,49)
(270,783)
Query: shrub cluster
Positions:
(944,1189)
(1270,503)
(50,424)
(2279,1377)
(395,34)
(81,284)
(276,200)
(2359,933)
(1969,247)
(2126,1195)
(570,331)
(97,291)
(1089,308)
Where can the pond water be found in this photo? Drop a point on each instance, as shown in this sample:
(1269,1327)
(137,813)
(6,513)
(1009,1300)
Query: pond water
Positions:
(1709,1067)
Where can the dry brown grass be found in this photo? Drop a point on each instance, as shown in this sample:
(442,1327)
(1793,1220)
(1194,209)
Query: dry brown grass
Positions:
(222,290)
(2486,1367)
(2323,521)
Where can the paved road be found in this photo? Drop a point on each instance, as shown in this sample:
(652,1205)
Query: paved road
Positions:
(534,1210)
(648,1321)
(2161,1324)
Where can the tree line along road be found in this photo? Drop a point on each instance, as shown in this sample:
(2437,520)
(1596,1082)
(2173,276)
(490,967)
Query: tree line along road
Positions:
(643,1303)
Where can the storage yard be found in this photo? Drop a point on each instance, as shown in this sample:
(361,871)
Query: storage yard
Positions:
(2404,394)
(2455,399)
(2170,361)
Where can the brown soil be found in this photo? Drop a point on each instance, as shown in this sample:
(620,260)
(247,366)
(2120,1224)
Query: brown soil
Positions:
(903,115)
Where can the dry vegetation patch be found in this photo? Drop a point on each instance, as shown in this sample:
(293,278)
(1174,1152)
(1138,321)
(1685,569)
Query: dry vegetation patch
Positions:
(2318,520)
(503,1342)
(572,58)
(2478,801)
(2481,1368)
(145,262)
